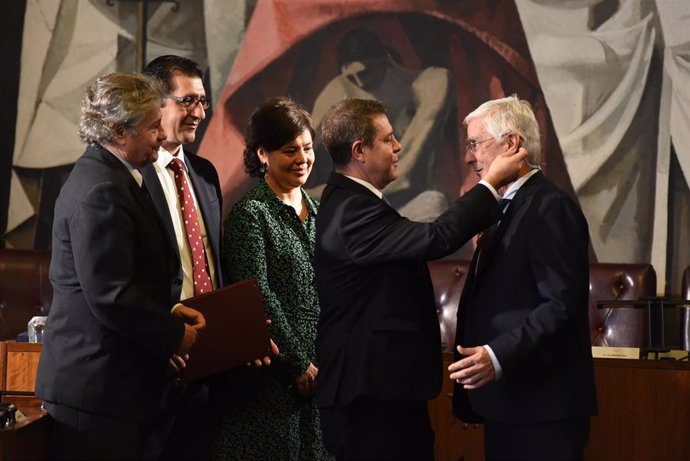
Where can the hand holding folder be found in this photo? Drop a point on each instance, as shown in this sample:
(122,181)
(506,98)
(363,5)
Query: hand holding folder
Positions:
(236,331)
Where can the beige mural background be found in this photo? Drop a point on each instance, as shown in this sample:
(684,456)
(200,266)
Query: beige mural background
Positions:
(615,77)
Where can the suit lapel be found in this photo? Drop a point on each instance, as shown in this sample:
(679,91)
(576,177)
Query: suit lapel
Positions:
(520,198)
(477,268)
(141,195)
(155,189)
(205,194)
(465,296)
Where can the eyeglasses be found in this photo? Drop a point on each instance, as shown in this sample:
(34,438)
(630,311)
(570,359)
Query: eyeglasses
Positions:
(472,144)
(190,102)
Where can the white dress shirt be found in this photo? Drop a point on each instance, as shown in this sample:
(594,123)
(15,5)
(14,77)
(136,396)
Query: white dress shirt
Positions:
(166,178)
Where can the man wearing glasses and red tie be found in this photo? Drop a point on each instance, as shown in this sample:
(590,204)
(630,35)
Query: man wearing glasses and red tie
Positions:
(186,192)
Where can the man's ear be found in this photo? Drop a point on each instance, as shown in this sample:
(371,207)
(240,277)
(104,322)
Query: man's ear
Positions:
(358,151)
(119,131)
(514,142)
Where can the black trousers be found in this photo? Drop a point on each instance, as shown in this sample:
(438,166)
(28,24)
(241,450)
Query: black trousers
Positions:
(79,435)
(372,429)
(187,433)
(553,441)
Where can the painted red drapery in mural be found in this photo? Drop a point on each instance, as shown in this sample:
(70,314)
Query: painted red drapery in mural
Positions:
(289,49)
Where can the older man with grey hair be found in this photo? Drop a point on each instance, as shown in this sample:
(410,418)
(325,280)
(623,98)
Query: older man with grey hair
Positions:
(523,362)
(110,332)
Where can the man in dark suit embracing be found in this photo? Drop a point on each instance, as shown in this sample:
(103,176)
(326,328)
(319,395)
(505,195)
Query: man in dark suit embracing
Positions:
(110,331)
(523,361)
(378,343)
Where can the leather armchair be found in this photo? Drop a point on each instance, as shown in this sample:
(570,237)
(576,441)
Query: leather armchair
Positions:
(25,289)
(448,278)
(617,327)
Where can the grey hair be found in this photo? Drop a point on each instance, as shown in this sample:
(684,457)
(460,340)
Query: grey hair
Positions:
(116,101)
(510,115)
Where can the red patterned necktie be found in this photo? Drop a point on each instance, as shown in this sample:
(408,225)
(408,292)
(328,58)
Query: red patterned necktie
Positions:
(202,279)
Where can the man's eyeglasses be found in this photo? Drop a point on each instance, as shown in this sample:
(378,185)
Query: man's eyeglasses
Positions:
(190,102)
(472,144)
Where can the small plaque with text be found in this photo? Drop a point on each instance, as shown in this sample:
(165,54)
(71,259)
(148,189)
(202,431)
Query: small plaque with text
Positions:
(599,352)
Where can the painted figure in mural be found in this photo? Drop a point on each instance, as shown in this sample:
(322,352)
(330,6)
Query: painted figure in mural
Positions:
(523,362)
(184,104)
(378,342)
(104,372)
(417,102)
(270,413)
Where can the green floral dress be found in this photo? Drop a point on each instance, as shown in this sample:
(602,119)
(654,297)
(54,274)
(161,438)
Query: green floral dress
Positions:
(263,415)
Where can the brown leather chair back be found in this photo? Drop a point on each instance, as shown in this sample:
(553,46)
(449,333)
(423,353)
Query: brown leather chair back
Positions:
(25,290)
(448,277)
(685,284)
(619,326)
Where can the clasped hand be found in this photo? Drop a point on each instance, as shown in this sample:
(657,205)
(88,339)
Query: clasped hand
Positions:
(474,370)
(306,382)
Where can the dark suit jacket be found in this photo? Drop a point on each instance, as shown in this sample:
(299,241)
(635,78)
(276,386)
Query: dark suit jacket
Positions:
(207,190)
(528,301)
(378,333)
(191,418)
(109,333)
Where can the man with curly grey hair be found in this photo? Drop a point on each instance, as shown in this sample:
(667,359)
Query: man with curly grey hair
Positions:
(110,331)
(523,364)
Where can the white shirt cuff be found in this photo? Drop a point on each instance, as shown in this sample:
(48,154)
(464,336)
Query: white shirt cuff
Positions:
(494,360)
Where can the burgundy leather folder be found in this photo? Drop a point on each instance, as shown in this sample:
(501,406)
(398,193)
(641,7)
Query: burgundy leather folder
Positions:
(236,331)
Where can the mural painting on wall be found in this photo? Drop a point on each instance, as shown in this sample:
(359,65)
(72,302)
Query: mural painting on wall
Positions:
(428,67)
(603,78)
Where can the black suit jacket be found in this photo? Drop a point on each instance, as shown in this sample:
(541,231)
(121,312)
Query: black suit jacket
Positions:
(528,300)
(109,333)
(378,331)
(207,190)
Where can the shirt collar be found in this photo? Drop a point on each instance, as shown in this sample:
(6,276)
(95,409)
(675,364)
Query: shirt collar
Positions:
(267,193)
(165,157)
(136,174)
(366,184)
(512,190)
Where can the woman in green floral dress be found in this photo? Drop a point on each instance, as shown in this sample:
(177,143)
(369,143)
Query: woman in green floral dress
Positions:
(269,412)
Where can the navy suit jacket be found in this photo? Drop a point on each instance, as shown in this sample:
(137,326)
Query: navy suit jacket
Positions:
(528,300)
(378,332)
(207,190)
(109,333)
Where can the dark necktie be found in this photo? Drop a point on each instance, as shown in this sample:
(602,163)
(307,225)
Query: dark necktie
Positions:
(485,238)
(202,279)
(503,203)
